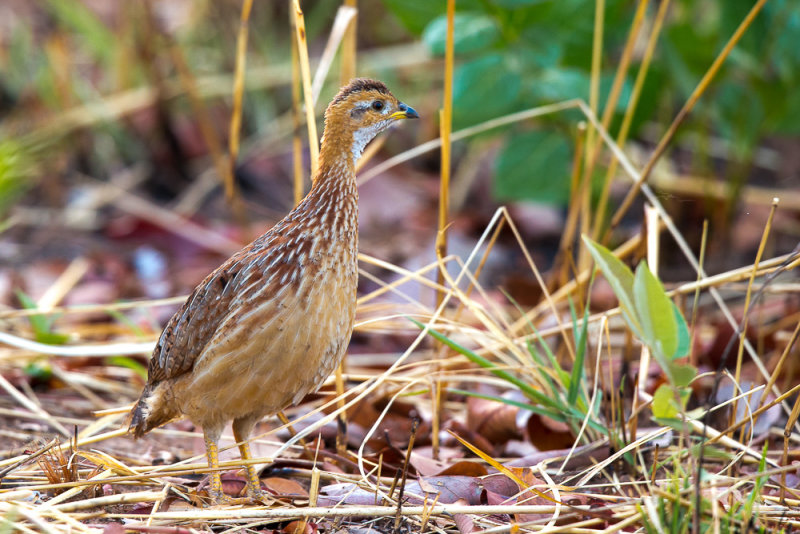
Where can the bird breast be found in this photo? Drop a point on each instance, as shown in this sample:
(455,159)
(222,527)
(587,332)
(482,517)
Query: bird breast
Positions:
(289,325)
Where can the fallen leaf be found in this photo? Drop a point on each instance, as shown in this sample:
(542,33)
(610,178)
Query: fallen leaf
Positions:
(495,421)
(284,487)
(465,468)
(300,527)
(464,522)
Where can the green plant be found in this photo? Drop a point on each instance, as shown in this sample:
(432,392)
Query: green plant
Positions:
(517,54)
(668,510)
(560,397)
(42,325)
(656,321)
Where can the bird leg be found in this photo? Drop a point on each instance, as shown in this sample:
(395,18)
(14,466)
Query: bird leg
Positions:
(212,454)
(241,432)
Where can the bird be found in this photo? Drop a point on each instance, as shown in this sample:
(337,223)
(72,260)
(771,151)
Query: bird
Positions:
(271,323)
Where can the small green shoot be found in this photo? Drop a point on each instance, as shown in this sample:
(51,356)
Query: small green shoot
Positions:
(42,325)
(553,407)
(656,321)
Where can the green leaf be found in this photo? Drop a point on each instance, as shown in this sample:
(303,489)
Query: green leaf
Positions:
(621,280)
(682,374)
(415,15)
(664,405)
(511,4)
(571,411)
(76,16)
(561,83)
(16,170)
(656,315)
(486,364)
(471,32)
(51,338)
(39,370)
(485,88)
(41,324)
(683,334)
(577,369)
(534,166)
(128,363)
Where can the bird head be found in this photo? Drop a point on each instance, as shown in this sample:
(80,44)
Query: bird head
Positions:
(360,111)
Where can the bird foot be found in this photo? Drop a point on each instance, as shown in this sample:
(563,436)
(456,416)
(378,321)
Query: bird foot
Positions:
(220,498)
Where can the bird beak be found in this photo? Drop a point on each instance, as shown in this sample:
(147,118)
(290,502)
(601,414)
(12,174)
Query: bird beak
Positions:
(405,112)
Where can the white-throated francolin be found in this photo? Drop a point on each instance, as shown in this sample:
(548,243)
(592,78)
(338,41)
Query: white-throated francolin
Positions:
(273,321)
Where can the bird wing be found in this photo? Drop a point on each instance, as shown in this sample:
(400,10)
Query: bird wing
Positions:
(196,323)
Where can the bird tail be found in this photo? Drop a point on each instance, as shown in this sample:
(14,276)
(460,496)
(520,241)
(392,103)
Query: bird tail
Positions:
(139,420)
(144,417)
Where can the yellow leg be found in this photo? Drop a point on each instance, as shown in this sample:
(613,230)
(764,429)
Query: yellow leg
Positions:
(212,454)
(253,482)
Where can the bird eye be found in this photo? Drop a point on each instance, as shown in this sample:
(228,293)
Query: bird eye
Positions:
(377,105)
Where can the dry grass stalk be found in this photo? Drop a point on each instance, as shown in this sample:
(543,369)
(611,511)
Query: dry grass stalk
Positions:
(343,21)
(684,112)
(238,97)
(305,71)
(748,294)
(495,335)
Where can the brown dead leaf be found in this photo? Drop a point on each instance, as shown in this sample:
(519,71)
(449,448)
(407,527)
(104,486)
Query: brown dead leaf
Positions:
(347,493)
(495,421)
(547,434)
(300,527)
(500,484)
(426,466)
(450,488)
(465,468)
(529,497)
(582,456)
(458,428)
(233,485)
(114,528)
(284,487)
(464,522)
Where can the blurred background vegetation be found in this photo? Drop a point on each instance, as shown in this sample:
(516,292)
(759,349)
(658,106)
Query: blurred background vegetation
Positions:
(90,87)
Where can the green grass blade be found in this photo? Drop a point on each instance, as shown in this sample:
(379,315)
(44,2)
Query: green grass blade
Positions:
(578,372)
(486,364)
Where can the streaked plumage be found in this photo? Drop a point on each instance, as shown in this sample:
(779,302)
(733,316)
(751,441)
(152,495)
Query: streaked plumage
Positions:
(271,323)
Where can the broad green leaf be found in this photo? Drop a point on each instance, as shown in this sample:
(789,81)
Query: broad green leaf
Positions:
(656,315)
(561,83)
(471,32)
(534,166)
(682,374)
(415,15)
(511,4)
(621,280)
(485,88)
(664,406)
(683,334)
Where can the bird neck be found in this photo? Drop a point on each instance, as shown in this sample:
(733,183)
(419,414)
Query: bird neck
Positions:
(338,147)
(332,203)
(337,157)
(334,182)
